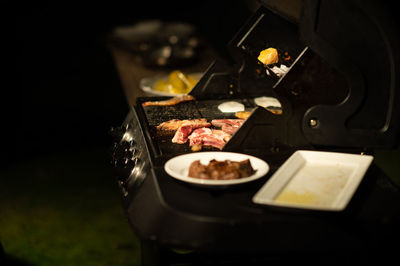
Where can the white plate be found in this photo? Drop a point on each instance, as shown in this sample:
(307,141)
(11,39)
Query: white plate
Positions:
(178,167)
(147,84)
(315,180)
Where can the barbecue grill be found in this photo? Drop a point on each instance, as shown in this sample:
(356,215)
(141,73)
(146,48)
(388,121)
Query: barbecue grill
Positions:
(341,93)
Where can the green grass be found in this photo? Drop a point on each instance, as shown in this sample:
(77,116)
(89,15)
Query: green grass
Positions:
(65,210)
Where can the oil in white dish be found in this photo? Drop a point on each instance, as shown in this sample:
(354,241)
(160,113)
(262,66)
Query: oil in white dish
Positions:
(316,184)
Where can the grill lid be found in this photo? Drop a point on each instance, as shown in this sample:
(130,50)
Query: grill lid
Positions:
(342,87)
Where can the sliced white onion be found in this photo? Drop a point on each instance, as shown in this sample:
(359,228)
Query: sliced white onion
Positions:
(231,107)
(265,101)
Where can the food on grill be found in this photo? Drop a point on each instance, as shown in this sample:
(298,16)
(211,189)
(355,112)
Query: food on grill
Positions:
(182,134)
(186,128)
(231,107)
(177,82)
(221,170)
(199,133)
(243,114)
(174,124)
(229,126)
(208,137)
(169,102)
(268,56)
(170,125)
(265,101)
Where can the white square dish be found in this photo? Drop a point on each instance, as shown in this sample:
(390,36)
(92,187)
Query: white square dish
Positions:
(315,180)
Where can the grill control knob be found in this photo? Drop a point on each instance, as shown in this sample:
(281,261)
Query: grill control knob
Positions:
(123,153)
(123,160)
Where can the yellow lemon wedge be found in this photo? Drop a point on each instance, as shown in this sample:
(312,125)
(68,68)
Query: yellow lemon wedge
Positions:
(177,83)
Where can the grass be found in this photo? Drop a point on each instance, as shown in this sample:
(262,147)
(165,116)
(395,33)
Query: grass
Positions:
(65,209)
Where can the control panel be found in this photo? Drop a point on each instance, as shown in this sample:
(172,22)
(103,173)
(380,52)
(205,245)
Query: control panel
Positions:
(129,155)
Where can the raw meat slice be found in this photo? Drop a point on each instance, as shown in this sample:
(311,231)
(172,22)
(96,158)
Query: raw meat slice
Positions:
(208,137)
(229,126)
(186,128)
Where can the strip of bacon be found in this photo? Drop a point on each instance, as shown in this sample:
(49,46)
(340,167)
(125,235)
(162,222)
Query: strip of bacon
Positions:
(175,124)
(229,126)
(172,124)
(221,135)
(208,137)
(196,136)
(169,102)
(221,122)
(186,128)
(182,134)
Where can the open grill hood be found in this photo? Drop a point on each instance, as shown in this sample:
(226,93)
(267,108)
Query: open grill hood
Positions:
(342,89)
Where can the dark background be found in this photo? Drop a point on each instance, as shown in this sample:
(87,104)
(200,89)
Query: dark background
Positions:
(68,92)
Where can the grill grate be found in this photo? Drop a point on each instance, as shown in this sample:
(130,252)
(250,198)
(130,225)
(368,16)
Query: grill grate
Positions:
(161,144)
(155,115)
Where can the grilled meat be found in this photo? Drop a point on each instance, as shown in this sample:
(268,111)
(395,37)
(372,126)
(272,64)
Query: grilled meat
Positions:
(243,115)
(186,127)
(175,124)
(221,170)
(229,126)
(169,102)
(208,137)
(199,133)
(182,134)
(170,125)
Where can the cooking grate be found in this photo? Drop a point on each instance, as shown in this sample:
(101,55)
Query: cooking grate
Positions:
(155,115)
(161,144)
